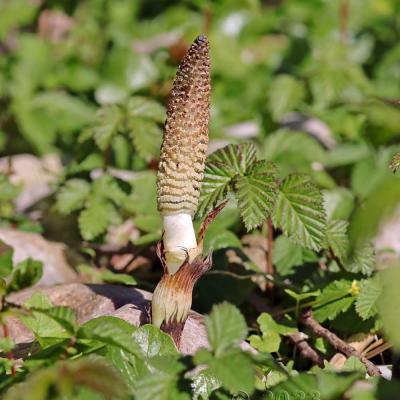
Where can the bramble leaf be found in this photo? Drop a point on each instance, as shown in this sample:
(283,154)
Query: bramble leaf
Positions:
(146,136)
(225,327)
(95,219)
(107,123)
(221,167)
(299,211)
(336,238)
(72,195)
(256,192)
(367,301)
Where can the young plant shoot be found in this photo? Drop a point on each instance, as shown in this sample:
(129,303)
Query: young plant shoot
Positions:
(180,173)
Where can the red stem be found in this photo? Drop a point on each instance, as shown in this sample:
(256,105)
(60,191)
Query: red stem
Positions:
(10,354)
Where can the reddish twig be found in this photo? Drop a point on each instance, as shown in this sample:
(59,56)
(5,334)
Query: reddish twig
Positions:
(344,20)
(299,339)
(308,320)
(10,354)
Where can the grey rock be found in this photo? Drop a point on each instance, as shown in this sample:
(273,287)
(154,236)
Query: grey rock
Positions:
(55,266)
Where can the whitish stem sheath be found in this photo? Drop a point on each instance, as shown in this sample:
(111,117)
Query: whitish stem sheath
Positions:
(179,240)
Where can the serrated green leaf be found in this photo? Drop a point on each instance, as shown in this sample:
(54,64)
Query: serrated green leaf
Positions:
(72,195)
(107,123)
(110,331)
(334,299)
(46,329)
(95,219)
(64,316)
(323,385)
(146,136)
(256,192)
(106,187)
(146,108)
(221,166)
(225,327)
(25,274)
(367,300)
(299,211)
(161,382)
(234,370)
(285,94)
(362,260)
(215,186)
(336,238)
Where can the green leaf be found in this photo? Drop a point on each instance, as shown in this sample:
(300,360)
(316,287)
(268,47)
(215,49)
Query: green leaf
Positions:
(256,192)
(106,187)
(380,204)
(99,276)
(39,300)
(221,167)
(8,191)
(362,260)
(334,299)
(25,274)
(153,342)
(323,385)
(293,151)
(126,363)
(46,329)
(162,381)
(268,342)
(226,327)
(110,331)
(285,94)
(288,254)
(95,219)
(146,108)
(234,370)
(72,195)
(6,259)
(336,238)
(64,316)
(146,136)
(388,303)
(203,384)
(221,240)
(66,112)
(6,344)
(271,332)
(268,324)
(64,377)
(299,211)
(107,124)
(367,300)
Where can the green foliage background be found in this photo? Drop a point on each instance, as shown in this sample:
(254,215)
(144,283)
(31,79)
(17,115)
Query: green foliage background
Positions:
(307,92)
